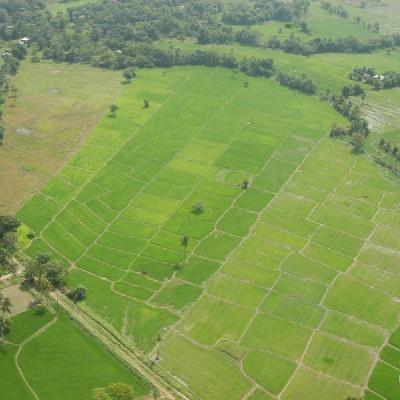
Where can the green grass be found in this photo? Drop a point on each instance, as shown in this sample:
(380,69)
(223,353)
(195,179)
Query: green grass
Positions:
(354,298)
(56,6)
(72,356)
(212,319)
(339,359)
(308,385)
(271,372)
(277,335)
(262,264)
(218,378)
(41,338)
(56,107)
(356,331)
(11,382)
(27,323)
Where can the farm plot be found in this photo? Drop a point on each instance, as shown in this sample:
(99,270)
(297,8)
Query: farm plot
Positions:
(38,339)
(321,23)
(289,306)
(54,108)
(384,380)
(145,169)
(270,273)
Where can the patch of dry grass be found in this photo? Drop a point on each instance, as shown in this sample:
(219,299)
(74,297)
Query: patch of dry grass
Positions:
(56,107)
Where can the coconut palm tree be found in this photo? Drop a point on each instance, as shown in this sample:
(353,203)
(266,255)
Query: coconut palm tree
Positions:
(381,146)
(4,329)
(184,243)
(5,306)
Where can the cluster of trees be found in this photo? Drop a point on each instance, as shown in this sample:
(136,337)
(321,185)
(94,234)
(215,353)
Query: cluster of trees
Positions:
(45,274)
(114,391)
(303,27)
(387,80)
(342,12)
(334,9)
(346,107)
(358,129)
(350,44)
(389,155)
(303,84)
(258,11)
(11,58)
(8,243)
(353,90)
(5,323)
(374,27)
(92,30)
(357,138)
(226,35)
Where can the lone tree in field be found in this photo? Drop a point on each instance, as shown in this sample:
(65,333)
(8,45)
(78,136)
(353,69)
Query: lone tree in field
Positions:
(184,243)
(114,391)
(146,104)
(77,294)
(198,208)
(381,146)
(44,287)
(129,74)
(114,108)
(358,143)
(245,184)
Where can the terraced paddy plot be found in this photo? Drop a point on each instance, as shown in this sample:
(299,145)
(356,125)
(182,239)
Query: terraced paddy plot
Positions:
(270,274)
(384,378)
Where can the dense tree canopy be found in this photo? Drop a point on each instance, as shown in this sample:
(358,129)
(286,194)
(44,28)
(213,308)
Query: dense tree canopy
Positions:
(8,242)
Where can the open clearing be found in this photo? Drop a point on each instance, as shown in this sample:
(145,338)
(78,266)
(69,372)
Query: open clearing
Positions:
(56,106)
(278,279)
(34,344)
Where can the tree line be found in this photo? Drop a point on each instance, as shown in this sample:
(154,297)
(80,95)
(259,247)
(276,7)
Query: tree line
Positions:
(259,11)
(91,29)
(358,130)
(368,75)
(389,155)
(11,57)
(303,83)
(115,34)
(350,44)
(342,12)
(334,9)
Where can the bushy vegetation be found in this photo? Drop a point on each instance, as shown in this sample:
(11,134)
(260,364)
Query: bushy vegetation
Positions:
(389,155)
(45,274)
(8,243)
(385,80)
(303,84)
(258,11)
(334,9)
(11,59)
(295,45)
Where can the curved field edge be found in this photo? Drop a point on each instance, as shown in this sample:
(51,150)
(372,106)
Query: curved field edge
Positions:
(53,339)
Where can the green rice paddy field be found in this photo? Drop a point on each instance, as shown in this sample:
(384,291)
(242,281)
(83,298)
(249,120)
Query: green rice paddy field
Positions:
(288,290)
(321,23)
(39,339)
